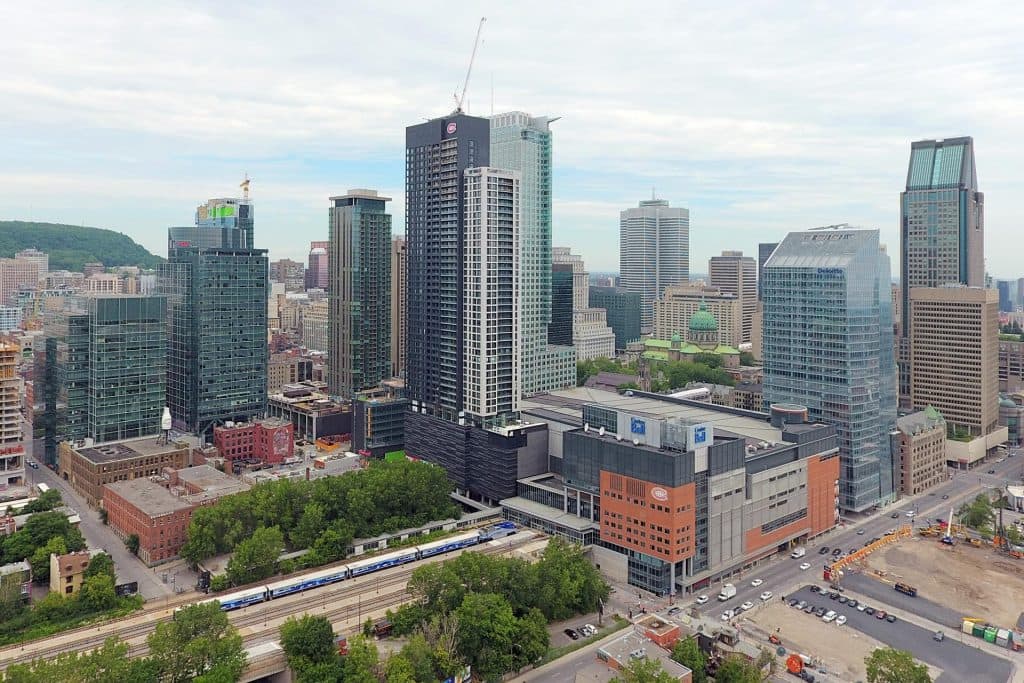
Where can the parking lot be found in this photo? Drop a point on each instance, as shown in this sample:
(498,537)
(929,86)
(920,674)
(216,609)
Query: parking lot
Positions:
(958,662)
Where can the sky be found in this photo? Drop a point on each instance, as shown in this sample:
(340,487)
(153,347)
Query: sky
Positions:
(760,117)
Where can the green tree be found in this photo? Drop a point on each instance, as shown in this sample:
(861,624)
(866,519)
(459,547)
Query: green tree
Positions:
(566,582)
(1012,534)
(40,559)
(644,671)
(747,358)
(101,563)
(688,653)
(487,632)
(331,545)
(888,665)
(97,593)
(738,669)
(256,557)
(199,641)
(46,501)
(11,603)
(308,644)
(398,669)
(312,523)
(978,514)
(361,662)
(107,664)
(532,639)
(421,657)
(132,543)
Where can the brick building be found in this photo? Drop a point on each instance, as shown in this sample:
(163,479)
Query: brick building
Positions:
(271,440)
(89,468)
(921,448)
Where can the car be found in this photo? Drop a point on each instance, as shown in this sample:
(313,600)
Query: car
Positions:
(727,615)
(842,600)
(809,609)
(869,610)
(793,602)
(571,633)
(805,565)
(910,513)
(674,610)
(851,603)
(814,588)
(833,596)
(890,532)
(828,616)
(747,605)
(801,604)
(991,471)
(895,515)
(756,582)
(824,550)
(945,497)
(867,543)
(938,636)
(820,611)
(860,532)
(701,599)
(837,552)
(876,539)
(840,620)
(932,493)
(891,618)
(861,607)
(766,596)
(852,551)
(880,614)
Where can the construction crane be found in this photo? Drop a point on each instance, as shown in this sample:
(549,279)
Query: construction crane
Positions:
(245,186)
(948,538)
(460,98)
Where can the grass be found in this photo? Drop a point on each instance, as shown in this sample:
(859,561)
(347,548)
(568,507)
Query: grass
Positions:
(44,629)
(618,624)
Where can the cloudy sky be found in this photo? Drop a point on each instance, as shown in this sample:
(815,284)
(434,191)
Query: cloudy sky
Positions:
(760,117)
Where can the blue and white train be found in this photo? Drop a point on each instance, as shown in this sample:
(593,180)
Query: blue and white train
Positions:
(323,577)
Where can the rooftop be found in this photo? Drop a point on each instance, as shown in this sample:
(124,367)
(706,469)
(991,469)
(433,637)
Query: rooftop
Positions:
(211,480)
(922,420)
(635,646)
(549,514)
(150,497)
(124,450)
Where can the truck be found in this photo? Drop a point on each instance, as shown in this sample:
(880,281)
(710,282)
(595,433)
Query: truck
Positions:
(906,589)
(798,553)
(728,591)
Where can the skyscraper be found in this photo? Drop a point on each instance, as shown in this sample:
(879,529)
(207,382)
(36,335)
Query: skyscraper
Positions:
(12,448)
(1005,302)
(764,252)
(828,345)
(216,284)
(399,268)
(359,343)
(522,143)
(106,369)
(560,328)
(590,332)
(942,227)
(736,274)
(654,252)
(317,271)
(622,312)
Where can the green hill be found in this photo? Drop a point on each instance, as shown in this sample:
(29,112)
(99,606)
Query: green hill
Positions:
(72,246)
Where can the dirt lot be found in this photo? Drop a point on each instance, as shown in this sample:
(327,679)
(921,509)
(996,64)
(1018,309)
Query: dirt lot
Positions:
(974,581)
(846,648)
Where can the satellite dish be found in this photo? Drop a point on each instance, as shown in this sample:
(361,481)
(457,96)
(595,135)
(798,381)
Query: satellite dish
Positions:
(601,431)
(618,437)
(586,426)
(636,442)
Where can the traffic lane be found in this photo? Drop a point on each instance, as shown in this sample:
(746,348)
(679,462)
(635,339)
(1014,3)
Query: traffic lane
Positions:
(777,576)
(959,663)
(920,606)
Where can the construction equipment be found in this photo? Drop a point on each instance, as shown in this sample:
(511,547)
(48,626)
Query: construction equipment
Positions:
(460,98)
(948,538)
(245,186)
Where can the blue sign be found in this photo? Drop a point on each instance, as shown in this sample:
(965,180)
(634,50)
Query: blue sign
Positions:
(700,436)
(637,426)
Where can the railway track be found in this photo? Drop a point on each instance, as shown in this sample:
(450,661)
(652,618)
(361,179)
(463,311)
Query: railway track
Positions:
(255,622)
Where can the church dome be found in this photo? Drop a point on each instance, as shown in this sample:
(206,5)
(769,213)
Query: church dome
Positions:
(676,338)
(703,320)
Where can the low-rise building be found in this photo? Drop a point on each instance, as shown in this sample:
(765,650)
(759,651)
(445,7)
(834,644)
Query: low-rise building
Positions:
(89,468)
(67,572)
(268,441)
(620,653)
(1011,416)
(921,451)
(312,412)
(378,422)
(21,572)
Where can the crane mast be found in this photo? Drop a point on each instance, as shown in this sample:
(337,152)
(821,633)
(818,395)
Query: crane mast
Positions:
(460,98)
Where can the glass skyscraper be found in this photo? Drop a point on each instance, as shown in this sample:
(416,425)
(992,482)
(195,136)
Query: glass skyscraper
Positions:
(522,143)
(654,252)
(828,345)
(216,284)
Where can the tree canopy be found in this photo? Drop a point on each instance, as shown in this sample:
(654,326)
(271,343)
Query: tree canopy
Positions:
(198,642)
(37,532)
(738,669)
(978,514)
(888,665)
(644,671)
(72,246)
(308,643)
(108,664)
(688,653)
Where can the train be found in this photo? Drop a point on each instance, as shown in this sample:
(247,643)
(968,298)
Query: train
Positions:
(323,577)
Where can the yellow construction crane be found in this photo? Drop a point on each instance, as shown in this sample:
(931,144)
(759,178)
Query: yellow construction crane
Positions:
(245,187)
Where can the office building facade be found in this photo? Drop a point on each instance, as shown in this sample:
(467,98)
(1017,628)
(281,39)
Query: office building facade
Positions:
(764,252)
(522,143)
(590,332)
(12,448)
(359,344)
(291,274)
(736,274)
(622,312)
(1005,302)
(674,310)
(399,286)
(828,345)
(654,252)
(560,328)
(921,451)
(216,287)
(318,268)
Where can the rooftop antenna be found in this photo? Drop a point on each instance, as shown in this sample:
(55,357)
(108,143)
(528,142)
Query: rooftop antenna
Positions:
(460,98)
(245,186)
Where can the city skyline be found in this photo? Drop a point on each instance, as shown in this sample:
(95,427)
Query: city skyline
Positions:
(128,150)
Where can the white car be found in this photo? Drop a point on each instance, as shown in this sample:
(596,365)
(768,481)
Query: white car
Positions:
(805,565)
(861,607)
(701,599)
(910,514)
(766,596)
(727,615)
(747,605)
(756,582)
(840,620)
(829,616)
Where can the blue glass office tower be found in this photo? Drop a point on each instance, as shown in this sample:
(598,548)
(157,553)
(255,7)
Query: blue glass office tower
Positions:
(216,287)
(828,345)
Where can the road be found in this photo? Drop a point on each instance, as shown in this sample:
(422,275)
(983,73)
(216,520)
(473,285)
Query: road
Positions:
(783,573)
(940,614)
(127,567)
(959,663)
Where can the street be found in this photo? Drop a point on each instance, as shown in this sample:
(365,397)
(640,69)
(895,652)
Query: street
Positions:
(97,534)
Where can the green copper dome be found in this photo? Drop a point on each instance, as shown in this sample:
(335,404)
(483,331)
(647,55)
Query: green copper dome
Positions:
(703,321)
(676,338)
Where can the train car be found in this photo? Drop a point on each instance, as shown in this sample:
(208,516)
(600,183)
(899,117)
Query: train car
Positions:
(447,545)
(236,600)
(499,530)
(305,582)
(374,564)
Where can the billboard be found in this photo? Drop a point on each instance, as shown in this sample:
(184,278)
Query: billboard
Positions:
(643,430)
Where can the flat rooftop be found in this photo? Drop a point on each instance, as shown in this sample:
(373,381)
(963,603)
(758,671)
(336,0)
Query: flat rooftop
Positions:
(570,402)
(211,480)
(150,497)
(146,446)
(549,514)
(635,646)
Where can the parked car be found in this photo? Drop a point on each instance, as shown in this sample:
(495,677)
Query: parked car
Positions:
(815,588)
(837,552)
(945,497)
(824,550)
(880,614)
(869,610)
(793,602)
(851,603)
(805,565)
(747,605)
(801,604)
(861,607)
(991,471)
(701,599)
(938,636)
(841,619)
(895,515)
(842,599)
(860,532)
(820,611)
(727,615)
(766,596)
(809,609)
(910,514)
(571,633)
(891,618)
(833,596)
(852,551)
(829,616)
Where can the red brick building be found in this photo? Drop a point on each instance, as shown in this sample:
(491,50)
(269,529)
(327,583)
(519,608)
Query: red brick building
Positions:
(270,441)
(150,511)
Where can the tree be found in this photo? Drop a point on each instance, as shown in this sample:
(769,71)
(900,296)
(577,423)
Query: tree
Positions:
(199,641)
(398,669)
(738,669)
(487,633)
(132,543)
(978,514)
(100,563)
(40,559)
(422,659)
(97,593)
(46,501)
(644,671)
(531,640)
(747,358)
(107,664)
(566,582)
(11,603)
(688,653)
(889,665)
(256,557)
(360,664)
(308,644)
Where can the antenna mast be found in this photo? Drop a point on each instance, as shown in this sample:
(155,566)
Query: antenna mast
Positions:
(460,98)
